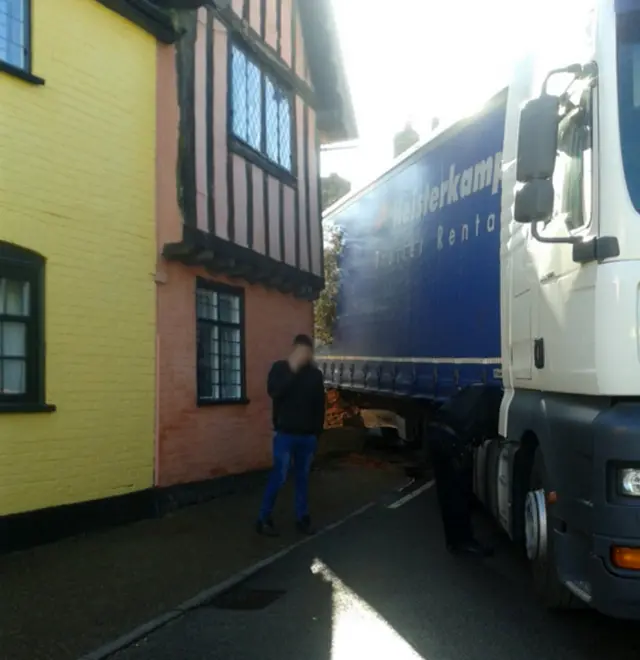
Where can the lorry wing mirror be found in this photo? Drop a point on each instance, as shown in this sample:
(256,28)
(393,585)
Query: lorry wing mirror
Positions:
(538,138)
(534,201)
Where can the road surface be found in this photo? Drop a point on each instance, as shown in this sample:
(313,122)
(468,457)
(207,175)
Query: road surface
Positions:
(382,586)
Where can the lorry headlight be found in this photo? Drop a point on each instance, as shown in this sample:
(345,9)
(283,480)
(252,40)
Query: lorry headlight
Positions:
(629,481)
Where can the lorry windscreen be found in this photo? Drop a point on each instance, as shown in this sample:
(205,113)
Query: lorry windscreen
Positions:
(628,37)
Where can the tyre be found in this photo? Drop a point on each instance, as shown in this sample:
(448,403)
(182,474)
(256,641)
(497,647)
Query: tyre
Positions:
(539,540)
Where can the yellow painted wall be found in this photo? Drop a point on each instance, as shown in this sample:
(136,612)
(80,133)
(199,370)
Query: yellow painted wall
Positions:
(77,171)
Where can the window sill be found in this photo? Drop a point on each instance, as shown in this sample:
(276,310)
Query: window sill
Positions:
(241,149)
(27,408)
(208,403)
(17,72)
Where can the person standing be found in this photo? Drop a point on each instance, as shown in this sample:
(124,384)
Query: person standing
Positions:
(296,388)
(465,420)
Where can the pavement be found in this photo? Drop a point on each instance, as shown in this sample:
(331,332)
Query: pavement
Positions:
(63,600)
(382,586)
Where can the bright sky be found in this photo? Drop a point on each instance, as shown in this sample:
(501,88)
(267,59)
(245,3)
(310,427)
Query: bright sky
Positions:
(414,60)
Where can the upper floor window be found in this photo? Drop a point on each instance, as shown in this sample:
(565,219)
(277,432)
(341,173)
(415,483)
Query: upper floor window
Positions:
(220,349)
(14,33)
(260,110)
(21,327)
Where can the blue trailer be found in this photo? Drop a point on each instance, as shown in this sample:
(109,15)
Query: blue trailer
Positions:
(419,296)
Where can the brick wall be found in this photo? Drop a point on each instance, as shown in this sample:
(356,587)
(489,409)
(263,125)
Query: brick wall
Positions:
(201,443)
(77,185)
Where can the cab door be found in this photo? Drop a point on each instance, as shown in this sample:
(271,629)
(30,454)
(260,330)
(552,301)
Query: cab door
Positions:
(564,339)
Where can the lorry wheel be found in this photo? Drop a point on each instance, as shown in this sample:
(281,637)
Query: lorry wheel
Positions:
(539,542)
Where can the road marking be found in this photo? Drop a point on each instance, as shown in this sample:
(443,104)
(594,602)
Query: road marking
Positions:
(125,641)
(407,498)
(406,486)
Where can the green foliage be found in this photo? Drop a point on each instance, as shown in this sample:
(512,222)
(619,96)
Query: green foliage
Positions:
(325,306)
(333,188)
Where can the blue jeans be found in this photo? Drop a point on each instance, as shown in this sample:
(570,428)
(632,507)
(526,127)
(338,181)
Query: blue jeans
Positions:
(300,448)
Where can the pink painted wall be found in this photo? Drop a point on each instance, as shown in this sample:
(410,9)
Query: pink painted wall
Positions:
(305,263)
(259,236)
(200,443)
(301,55)
(255,14)
(202,194)
(271,33)
(240,184)
(220,150)
(315,221)
(196,444)
(285,39)
(274,219)
(289,226)
(169,222)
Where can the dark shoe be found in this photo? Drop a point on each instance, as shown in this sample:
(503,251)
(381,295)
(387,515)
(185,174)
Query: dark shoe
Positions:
(304,526)
(266,528)
(471,549)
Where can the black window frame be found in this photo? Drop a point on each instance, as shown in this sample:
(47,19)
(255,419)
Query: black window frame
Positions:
(224,289)
(628,39)
(24,72)
(237,144)
(22,264)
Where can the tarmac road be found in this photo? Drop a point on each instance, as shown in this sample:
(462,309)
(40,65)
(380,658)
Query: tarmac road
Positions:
(382,586)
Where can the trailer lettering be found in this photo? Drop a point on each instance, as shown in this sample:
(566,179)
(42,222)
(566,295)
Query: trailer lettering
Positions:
(466,185)
(422,207)
(416,208)
(454,180)
(387,258)
(489,226)
(425,201)
(443,191)
(482,174)
(411,207)
(433,200)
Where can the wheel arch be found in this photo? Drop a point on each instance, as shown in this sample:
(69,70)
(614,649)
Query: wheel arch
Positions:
(528,429)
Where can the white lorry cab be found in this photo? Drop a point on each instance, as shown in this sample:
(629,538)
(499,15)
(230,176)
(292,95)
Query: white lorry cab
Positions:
(563,478)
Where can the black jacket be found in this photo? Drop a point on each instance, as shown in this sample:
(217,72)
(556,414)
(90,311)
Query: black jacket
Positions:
(298,399)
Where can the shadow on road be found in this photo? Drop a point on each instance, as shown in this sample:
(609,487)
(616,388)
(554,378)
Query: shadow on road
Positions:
(384,587)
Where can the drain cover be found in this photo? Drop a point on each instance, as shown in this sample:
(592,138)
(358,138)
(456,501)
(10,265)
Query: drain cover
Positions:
(246,599)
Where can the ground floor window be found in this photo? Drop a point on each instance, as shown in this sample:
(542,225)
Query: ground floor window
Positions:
(21,326)
(220,343)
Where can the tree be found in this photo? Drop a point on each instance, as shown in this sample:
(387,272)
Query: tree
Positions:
(333,188)
(326,305)
(406,138)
